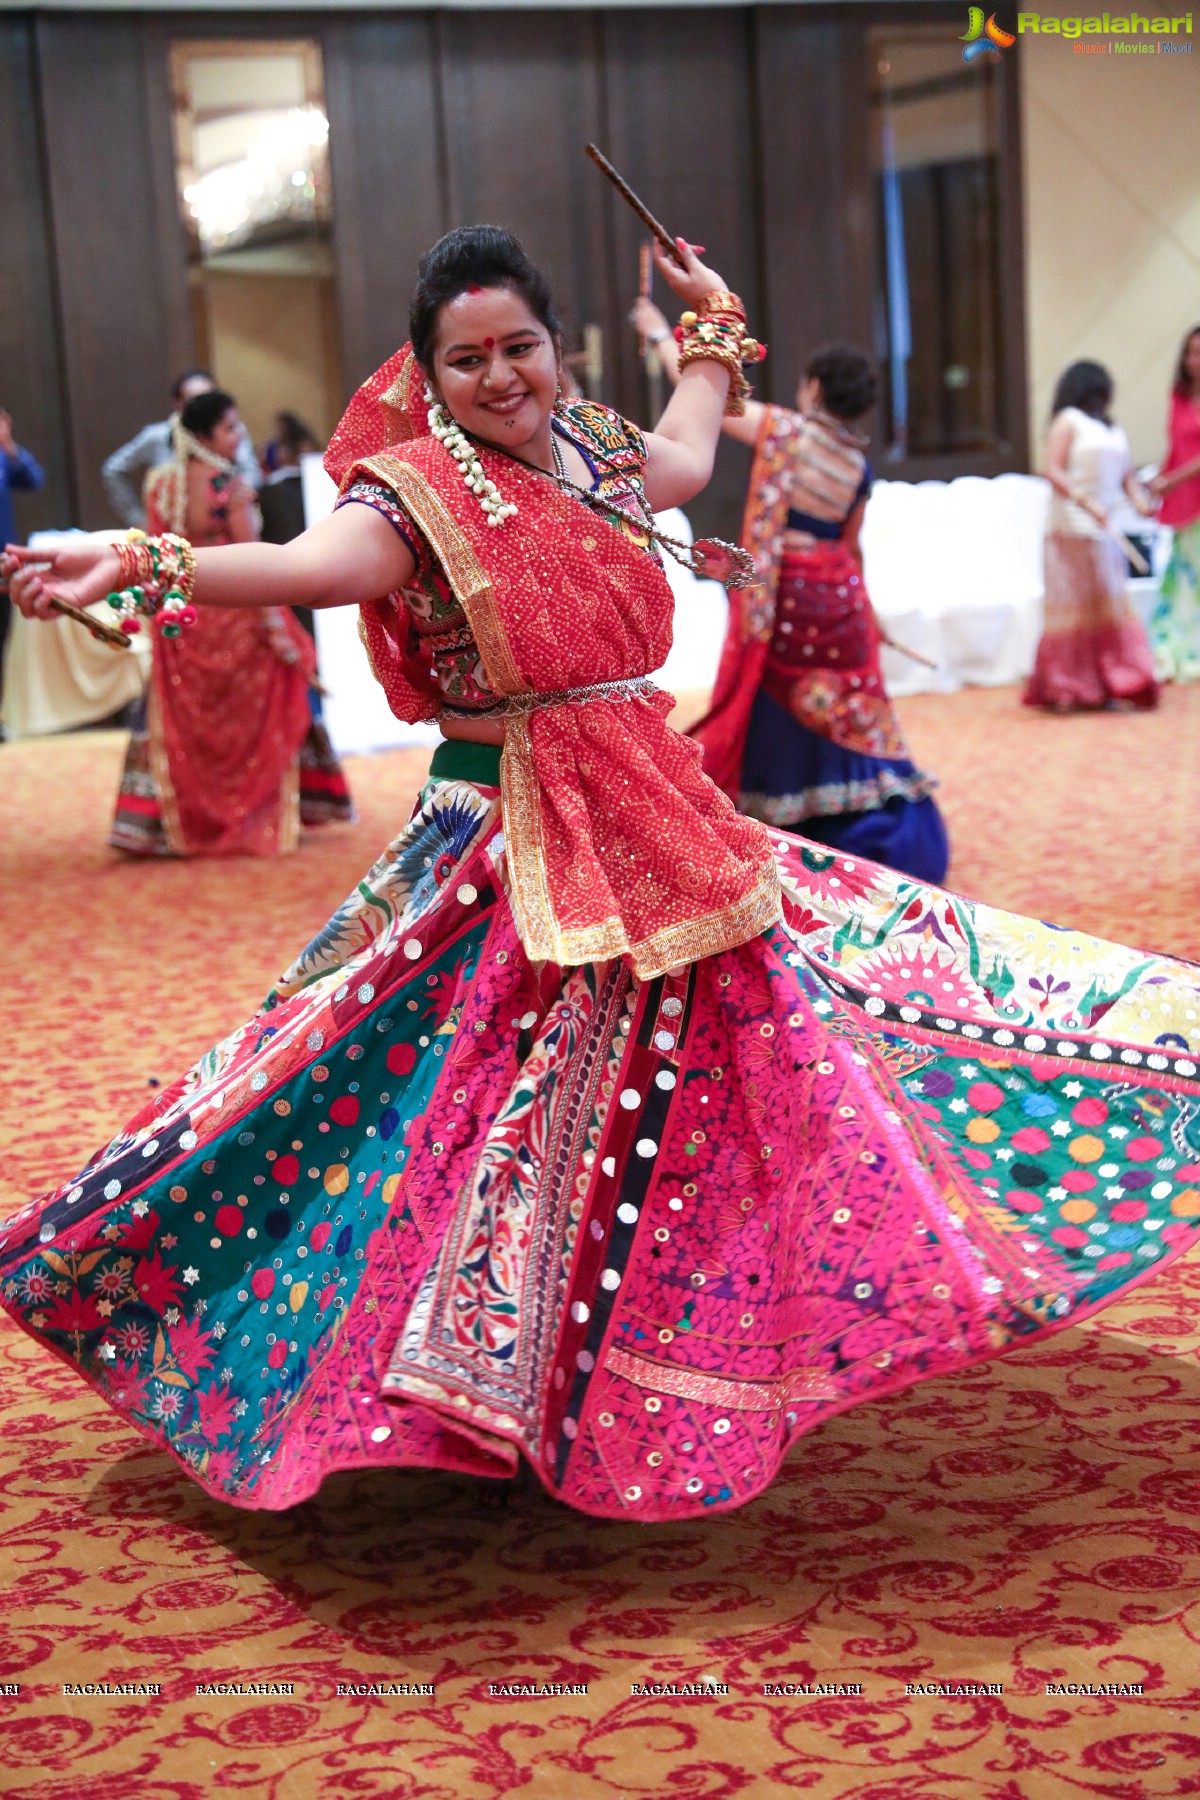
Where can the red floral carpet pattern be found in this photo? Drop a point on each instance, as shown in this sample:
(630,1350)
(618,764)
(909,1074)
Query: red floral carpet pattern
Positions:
(1029,1522)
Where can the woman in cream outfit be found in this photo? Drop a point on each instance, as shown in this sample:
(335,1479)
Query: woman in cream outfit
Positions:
(1093,651)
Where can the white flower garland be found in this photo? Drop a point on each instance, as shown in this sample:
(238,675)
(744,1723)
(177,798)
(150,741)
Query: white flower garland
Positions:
(447,432)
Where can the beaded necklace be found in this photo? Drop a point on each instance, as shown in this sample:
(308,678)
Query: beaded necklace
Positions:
(706,557)
(740,572)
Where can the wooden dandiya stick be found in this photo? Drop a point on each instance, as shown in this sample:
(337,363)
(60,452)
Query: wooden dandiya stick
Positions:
(107,634)
(645,272)
(892,643)
(1130,548)
(643,212)
(645,289)
(1114,534)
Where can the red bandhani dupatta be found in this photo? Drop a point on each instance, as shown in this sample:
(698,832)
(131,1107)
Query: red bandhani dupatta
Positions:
(226,718)
(721,733)
(617,843)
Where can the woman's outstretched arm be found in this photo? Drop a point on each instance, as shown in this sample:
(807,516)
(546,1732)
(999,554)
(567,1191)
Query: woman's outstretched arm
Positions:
(351,557)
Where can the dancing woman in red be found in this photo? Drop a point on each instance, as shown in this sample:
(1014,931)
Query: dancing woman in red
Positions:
(599,1126)
(801,731)
(212,767)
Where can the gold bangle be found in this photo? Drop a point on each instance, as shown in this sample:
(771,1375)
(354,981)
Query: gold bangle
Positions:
(721,300)
(715,333)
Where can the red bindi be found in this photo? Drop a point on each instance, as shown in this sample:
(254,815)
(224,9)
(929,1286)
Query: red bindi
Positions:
(489,343)
(474,290)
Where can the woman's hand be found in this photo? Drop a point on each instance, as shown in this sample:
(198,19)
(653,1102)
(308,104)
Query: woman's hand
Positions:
(80,571)
(650,321)
(694,280)
(239,493)
(1160,485)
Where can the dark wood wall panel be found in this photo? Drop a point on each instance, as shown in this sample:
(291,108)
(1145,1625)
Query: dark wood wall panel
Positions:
(30,388)
(814,161)
(748,128)
(680,129)
(389,201)
(1011,275)
(522,94)
(122,283)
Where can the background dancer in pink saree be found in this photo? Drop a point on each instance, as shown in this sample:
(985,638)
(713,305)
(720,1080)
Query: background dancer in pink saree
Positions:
(214,760)
(601,1126)
(1175,626)
(801,732)
(1093,650)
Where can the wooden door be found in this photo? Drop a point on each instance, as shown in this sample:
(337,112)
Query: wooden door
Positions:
(387,171)
(522,94)
(680,129)
(118,241)
(30,388)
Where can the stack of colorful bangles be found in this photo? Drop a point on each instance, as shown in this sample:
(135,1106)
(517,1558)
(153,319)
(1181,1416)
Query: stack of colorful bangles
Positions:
(717,332)
(157,576)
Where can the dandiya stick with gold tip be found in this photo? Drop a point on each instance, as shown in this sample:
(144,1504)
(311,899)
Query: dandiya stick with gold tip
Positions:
(630,198)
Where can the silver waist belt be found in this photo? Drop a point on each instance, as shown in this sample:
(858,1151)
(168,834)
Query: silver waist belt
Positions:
(638,687)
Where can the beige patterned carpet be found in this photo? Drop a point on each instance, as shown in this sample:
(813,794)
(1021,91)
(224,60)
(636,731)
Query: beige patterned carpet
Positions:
(1029,1523)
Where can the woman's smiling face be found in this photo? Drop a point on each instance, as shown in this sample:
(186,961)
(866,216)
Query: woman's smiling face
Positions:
(495,367)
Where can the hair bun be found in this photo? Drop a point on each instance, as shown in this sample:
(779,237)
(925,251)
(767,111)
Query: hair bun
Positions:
(474,256)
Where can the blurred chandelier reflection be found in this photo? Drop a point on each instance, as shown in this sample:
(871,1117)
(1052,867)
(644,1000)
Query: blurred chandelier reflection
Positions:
(281,179)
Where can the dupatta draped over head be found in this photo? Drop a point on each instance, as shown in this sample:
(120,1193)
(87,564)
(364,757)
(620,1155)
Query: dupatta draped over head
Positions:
(617,843)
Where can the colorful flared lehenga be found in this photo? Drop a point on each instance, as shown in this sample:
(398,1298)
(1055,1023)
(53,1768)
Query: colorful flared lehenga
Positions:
(228,752)
(600,1126)
(801,732)
(1175,622)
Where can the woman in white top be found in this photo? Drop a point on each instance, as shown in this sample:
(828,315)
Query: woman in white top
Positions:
(1093,651)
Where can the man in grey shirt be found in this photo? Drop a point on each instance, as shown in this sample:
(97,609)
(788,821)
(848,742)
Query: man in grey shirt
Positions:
(126,469)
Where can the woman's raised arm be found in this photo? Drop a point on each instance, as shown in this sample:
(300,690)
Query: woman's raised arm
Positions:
(655,327)
(352,556)
(680,449)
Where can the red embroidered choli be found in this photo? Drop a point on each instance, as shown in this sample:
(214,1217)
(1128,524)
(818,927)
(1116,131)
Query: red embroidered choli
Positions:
(617,843)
